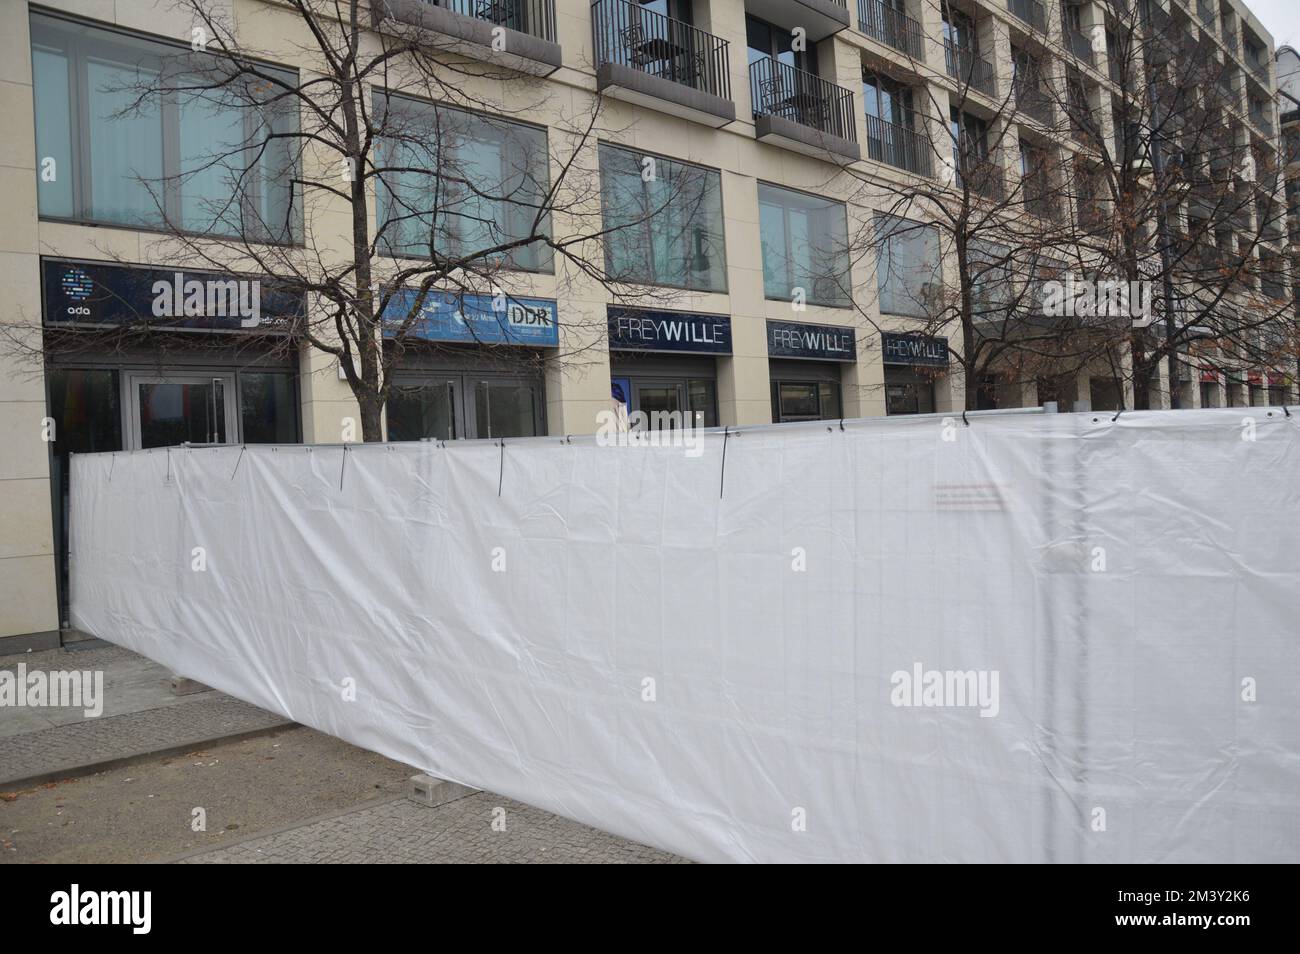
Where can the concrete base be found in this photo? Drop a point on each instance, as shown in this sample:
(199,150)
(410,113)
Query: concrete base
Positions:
(181,686)
(432,792)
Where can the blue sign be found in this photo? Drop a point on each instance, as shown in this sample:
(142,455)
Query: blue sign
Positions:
(794,339)
(917,350)
(476,319)
(634,329)
(101,294)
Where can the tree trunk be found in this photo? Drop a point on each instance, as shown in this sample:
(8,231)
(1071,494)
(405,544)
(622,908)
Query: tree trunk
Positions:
(371,418)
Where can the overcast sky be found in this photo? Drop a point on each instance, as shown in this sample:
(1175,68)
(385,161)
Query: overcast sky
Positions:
(1280,18)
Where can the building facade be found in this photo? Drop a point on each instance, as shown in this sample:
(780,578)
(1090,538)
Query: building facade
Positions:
(767,116)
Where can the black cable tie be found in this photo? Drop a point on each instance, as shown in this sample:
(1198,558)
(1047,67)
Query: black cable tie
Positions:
(501,469)
(841,424)
(169,465)
(112,462)
(242,448)
(1117,414)
(343,469)
(1285,411)
(963,417)
(722,478)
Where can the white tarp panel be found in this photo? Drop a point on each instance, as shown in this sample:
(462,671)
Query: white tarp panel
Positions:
(717,660)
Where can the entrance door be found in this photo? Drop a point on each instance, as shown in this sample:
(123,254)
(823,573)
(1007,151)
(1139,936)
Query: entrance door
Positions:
(450,406)
(173,409)
(656,398)
(430,409)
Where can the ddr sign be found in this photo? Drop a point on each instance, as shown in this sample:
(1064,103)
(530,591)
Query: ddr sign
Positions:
(793,339)
(476,319)
(634,329)
(918,350)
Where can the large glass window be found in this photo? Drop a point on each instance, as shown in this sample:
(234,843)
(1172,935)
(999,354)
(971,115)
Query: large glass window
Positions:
(135,132)
(908,274)
(268,407)
(456,184)
(662,221)
(805,246)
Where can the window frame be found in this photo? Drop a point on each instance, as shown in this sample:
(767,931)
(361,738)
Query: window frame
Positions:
(645,224)
(79,50)
(845,278)
(382,99)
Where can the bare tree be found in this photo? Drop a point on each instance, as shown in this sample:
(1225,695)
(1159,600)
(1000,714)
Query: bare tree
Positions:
(979,206)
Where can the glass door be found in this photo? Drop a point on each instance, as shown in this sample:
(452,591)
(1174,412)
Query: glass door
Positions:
(505,407)
(175,409)
(430,409)
(662,402)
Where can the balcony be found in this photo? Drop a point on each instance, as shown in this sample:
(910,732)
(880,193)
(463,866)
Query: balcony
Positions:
(963,65)
(1262,122)
(898,146)
(980,174)
(661,63)
(1034,103)
(891,28)
(1031,12)
(1080,46)
(820,18)
(527,43)
(801,111)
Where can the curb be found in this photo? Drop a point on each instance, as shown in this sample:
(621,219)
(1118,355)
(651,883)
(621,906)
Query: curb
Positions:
(121,761)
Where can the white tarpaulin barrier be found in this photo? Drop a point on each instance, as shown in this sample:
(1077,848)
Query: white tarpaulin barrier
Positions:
(1033,637)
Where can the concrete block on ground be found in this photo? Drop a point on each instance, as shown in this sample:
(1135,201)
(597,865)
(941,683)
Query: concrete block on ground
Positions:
(182,686)
(431,792)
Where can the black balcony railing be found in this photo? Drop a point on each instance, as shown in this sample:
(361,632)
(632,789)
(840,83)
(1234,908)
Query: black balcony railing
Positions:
(1080,46)
(1034,103)
(898,146)
(627,34)
(963,65)
(891,28)
(778,89)
(534,17)
(980,174)
(1030,11)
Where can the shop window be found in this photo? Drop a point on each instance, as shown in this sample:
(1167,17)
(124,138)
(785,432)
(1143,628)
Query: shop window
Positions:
(505,410)
(455,184)
(908,274)
(908,391)
(420,411)
(1209,394)
(132,132)
(805,401)
(1104,393)
(805,246)
(268,408)
(663,221)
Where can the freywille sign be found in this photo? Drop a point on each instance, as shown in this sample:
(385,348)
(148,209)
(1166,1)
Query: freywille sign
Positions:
(794,339)
(684,332)
(920,350)
(100,294)
(477,319)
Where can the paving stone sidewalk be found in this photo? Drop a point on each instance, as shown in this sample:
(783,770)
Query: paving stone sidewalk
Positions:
(399,831)
(141,718)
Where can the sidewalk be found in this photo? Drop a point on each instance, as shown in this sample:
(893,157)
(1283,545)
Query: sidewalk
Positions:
(141,718)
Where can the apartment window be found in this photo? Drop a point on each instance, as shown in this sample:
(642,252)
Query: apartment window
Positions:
(959,30)
(455,184)
(805,246)
(888,100)
(763,39)
(131,131)
(908,274)
(993,285)
(663,221)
